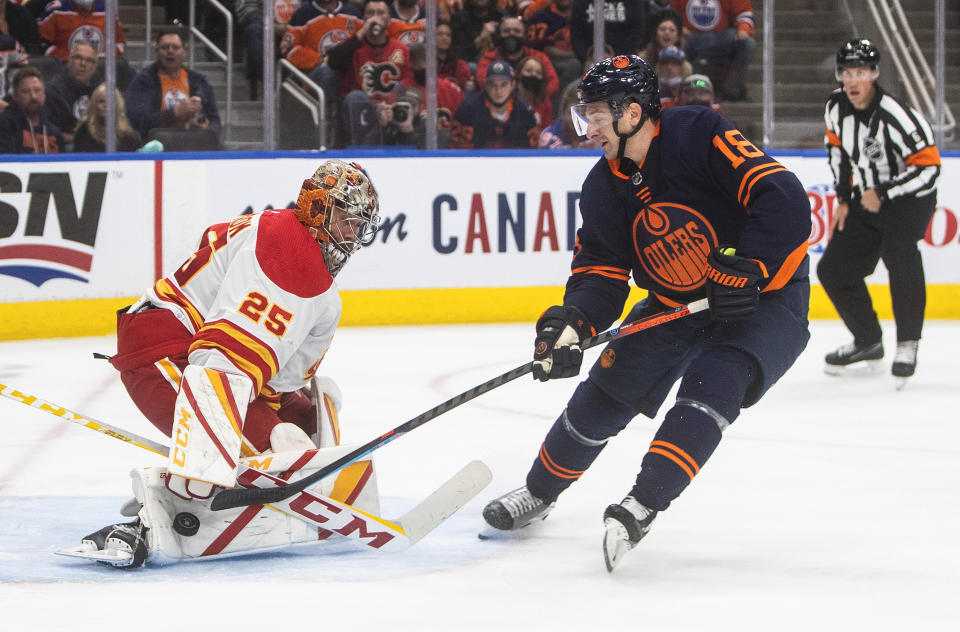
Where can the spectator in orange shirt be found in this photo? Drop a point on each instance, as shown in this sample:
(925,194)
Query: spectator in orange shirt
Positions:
(407,19)
(66,22)
(720,28)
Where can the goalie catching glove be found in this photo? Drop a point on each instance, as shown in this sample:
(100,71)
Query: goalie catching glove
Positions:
(557,352)
(733,284)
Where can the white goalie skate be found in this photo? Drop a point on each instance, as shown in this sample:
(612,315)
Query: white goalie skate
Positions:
(624,524)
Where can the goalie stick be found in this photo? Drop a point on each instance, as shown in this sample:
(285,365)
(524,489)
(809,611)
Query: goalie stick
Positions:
(68,415)
(311,507)
(230,498)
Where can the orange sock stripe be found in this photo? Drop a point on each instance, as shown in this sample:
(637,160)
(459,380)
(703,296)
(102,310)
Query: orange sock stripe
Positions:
(679,452)
(556,470)
(675,459)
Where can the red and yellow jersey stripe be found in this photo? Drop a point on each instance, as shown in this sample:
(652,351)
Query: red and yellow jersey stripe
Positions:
(244,350)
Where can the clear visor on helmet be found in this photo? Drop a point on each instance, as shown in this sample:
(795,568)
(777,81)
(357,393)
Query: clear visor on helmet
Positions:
(857,73)
(595,115)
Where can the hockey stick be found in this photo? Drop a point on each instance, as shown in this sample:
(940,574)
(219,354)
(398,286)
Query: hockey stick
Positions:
(230,498)
(68,415)
(407,530)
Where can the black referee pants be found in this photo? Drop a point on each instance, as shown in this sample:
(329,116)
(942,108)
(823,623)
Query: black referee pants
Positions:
(852,255)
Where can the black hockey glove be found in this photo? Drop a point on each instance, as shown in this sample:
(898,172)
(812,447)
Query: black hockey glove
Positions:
(557,352)
(733,284)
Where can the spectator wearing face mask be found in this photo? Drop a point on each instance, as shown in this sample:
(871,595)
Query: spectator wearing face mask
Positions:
(473,27)
(670,72)
(532,88)
(511,47)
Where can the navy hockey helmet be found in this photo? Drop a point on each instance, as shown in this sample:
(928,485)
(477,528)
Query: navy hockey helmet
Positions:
(617,81)
(857,53)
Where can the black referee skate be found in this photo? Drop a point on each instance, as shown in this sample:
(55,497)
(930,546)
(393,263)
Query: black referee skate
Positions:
(118,545)
(515,510)
(853,359)
(624,525)
(905,361)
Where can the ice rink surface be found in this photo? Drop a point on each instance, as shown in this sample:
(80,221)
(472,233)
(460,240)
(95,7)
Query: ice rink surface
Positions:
(833,504)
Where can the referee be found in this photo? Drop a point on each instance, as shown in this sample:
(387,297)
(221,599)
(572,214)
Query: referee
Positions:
(885,167)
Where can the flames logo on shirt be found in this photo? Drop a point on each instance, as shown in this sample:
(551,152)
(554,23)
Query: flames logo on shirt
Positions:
(378,78)
(671,242)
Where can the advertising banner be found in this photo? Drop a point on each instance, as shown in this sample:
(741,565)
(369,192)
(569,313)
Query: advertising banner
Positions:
(462,222)
(71,230)
(460,231)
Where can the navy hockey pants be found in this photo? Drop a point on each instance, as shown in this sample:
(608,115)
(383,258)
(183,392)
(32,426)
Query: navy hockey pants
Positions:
(722,367)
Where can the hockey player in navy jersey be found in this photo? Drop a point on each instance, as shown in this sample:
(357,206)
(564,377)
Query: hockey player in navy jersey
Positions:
(687,205)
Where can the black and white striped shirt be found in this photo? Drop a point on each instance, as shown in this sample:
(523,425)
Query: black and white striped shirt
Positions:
(888,147)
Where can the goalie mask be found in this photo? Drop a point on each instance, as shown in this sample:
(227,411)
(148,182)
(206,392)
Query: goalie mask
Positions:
(340,207)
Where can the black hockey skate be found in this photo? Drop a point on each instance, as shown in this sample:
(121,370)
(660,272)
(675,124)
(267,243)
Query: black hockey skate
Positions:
(118,545)
(905,361)
(515,510)
(855,360)
(624,526)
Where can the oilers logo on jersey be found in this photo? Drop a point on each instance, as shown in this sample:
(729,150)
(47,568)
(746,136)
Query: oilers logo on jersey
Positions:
(87,34)
(671,243)
(704,14)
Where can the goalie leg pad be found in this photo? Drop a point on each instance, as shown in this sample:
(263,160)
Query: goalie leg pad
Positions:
(208,425)
(183,530)
(327,401)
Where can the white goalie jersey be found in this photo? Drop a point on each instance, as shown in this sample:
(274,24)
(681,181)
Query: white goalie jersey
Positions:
(258,298)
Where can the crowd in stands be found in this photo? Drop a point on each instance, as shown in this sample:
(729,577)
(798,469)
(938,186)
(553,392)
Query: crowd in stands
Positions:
(507,69)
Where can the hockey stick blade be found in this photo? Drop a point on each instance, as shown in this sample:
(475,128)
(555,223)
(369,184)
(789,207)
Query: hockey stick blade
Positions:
(446,500)
(237,497)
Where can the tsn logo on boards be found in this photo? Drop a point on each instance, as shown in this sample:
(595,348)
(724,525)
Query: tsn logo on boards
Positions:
(24,256)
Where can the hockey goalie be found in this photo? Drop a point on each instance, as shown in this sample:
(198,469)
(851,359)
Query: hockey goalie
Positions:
(221,356)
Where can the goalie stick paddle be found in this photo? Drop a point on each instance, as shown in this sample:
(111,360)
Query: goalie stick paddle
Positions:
(230,498)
